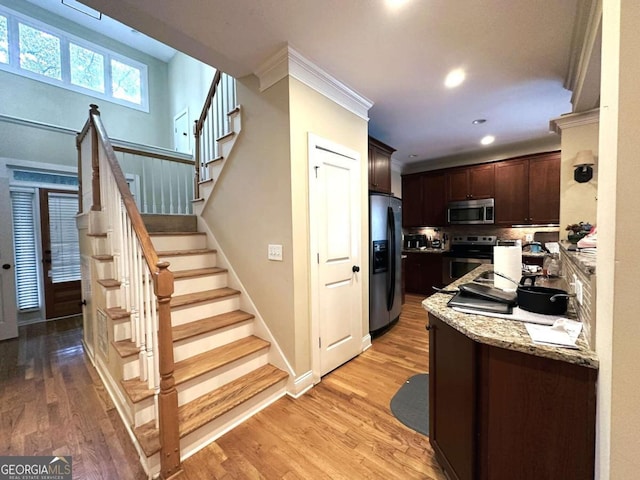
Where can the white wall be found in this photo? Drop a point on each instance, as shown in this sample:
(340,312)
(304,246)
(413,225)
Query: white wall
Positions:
(189,82)
(33,100)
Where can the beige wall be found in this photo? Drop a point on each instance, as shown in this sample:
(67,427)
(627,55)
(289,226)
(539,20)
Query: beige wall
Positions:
(314,113)
(262,198)
(251,207)
(578,201)
(618,332)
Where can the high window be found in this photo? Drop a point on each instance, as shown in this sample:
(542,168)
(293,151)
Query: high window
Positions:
(33,49)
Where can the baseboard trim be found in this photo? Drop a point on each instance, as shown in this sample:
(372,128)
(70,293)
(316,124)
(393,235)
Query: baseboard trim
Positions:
(300,385)
(366,343)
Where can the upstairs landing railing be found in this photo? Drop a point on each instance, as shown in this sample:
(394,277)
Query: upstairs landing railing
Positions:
(212,125)
(146,282)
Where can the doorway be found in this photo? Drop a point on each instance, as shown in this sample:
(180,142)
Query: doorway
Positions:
(60,253)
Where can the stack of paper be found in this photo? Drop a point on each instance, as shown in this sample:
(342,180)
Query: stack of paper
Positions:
(563,333)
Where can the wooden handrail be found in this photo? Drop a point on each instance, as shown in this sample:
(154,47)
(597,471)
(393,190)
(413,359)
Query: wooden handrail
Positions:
(163,286)
(143,153)
(207,101)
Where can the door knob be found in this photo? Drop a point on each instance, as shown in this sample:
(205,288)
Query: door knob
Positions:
(83,302)
(355,269)
(6,266)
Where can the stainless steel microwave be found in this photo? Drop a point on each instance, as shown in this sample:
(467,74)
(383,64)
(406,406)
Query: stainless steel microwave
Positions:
(471,212)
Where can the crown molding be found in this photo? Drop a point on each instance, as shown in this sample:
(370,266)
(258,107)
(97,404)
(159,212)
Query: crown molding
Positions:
(290,62)
(574,120)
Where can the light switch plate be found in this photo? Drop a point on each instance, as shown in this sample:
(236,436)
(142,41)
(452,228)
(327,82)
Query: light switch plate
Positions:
(275,253)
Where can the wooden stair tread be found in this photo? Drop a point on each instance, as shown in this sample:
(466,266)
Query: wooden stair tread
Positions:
(194,251)
(126,348)
(219,158)
(198,272)
(199,364)
(209,324)
(109,283)
(226,136)
(203,182)
(98,235)
(204,296)
(103,257)
(117,313)
(170,234)
(206,408)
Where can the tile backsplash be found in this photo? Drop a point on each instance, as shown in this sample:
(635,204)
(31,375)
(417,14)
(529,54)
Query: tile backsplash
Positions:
(513,233)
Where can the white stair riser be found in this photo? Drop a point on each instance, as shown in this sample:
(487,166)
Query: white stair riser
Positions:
(130,367)
(206,189)
(190,313)
(193,346)
(144,411)
(183,286)
(104,269)
(179,242)
(187,262)
(208,382)
(100,245)
(121,330)
(112,297)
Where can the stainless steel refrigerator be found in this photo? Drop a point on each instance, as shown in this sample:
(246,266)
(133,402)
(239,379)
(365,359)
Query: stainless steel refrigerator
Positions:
(385,267)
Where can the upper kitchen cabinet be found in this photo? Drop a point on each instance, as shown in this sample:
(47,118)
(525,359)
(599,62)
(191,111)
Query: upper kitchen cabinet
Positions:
(527,190)
(379,166)
(424,200)
(470,183)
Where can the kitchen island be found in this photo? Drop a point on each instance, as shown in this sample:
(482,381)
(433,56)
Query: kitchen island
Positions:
(502,407)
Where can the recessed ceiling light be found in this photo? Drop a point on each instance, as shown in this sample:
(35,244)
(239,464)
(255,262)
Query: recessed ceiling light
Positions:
(478,121)
(487,140)
(396,3)
(454,78)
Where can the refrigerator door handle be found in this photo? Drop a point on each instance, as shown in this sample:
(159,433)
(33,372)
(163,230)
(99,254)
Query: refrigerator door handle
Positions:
(391,288)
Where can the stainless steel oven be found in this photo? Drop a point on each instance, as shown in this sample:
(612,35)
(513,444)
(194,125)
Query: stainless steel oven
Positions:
(466,253)
(453,267)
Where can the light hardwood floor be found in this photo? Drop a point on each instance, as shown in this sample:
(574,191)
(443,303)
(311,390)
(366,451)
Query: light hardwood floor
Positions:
(52,403)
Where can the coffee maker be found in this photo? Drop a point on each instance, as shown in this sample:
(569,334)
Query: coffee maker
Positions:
(415,241)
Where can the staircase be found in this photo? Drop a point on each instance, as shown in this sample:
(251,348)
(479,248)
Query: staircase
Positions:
(222,370)
(179,346)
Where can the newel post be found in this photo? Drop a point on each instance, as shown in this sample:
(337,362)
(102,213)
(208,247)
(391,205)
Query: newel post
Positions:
(95,160)
(168,398)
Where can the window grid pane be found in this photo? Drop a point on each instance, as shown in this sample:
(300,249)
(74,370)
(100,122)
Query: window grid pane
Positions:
(65,248)
(40,52)
(87,68)
(126,82)
(4,40)
(25,251)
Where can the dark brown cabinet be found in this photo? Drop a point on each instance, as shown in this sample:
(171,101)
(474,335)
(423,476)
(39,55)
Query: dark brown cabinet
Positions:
(527,190)
(424,200)
(379,166)
(501,414)
(470,183)
(423,271)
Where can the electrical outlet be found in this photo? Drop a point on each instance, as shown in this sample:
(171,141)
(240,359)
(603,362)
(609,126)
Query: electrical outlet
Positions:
(577,287)
(528,237)
(275,253)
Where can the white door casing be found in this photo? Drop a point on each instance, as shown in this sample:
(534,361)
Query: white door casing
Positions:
(8,306)
(335,246)
(182,132)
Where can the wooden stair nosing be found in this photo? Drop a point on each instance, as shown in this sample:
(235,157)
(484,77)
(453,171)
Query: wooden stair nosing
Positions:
(219,158)
(210,406)
(226,136)
(234,111)
(203,296)
(197,200)
(103,257)
(125,348)
(192,367)
(177,234)
(203,182)
(117,313)
(97,235)
(198,272)
(193,251)
(209,324)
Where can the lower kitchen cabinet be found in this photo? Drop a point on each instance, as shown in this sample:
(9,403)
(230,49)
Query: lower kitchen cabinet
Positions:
(423,271)
(501,414)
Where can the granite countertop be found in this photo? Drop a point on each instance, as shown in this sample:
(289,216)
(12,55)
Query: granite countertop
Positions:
(509,334)
(586,263)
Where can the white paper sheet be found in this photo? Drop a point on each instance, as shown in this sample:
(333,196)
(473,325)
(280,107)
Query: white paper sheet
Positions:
(563,333)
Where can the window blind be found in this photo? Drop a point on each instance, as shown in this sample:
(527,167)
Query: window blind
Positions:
(65,248)
(25,252)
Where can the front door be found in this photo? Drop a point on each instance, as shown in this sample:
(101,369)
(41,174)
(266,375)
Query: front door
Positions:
(60,253)
(8,311)
(335,205)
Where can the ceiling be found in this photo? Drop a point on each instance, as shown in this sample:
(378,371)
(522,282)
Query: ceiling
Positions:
(516,56)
